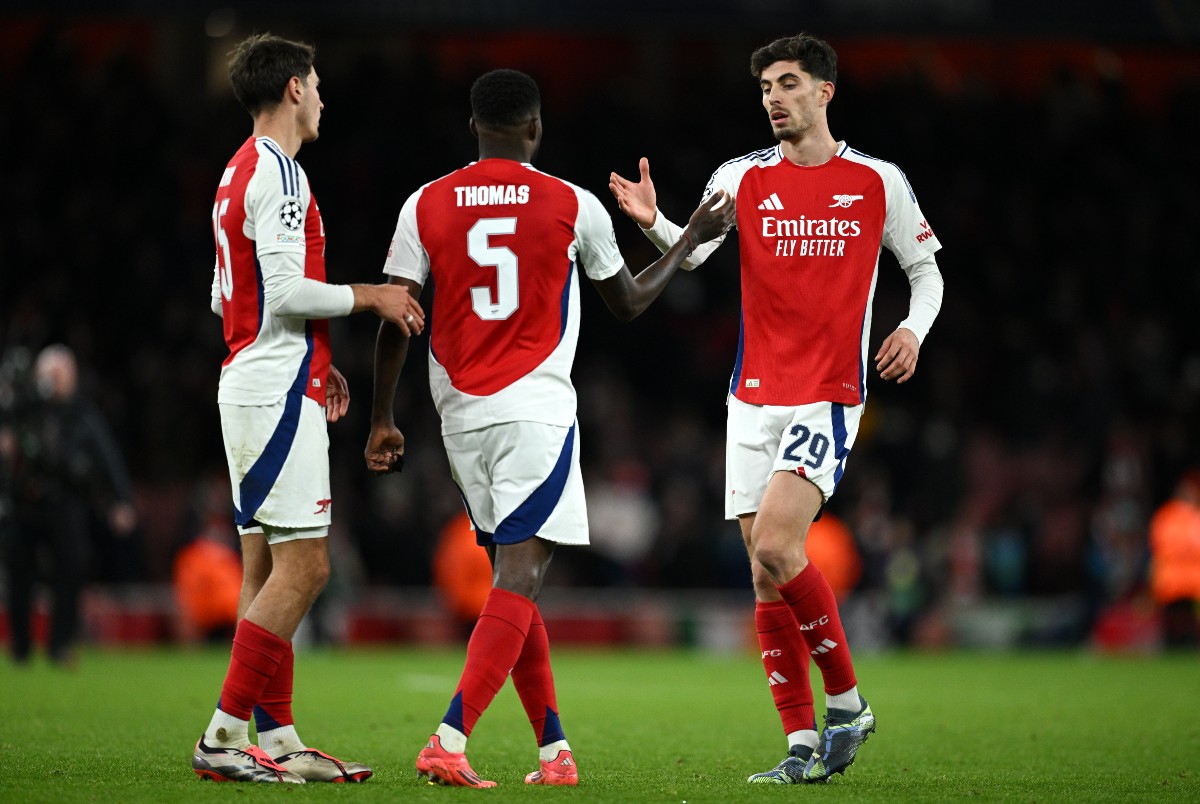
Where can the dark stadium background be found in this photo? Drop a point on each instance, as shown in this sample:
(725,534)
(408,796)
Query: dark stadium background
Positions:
(1052,150)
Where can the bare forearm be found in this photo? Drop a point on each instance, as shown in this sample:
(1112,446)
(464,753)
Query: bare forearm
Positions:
(366,297)
(391,351)
(651,281)
(630,297)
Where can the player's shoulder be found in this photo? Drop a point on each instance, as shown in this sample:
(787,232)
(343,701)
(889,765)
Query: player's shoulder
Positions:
(890,172)
(276,171)
(763,157)
(441,181)
(448,178)
(548,181)
(729,175)
(552,180)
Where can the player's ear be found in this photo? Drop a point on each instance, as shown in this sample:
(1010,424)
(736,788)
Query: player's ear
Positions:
(827,89)
(535,129)
(295,89)
(471,125)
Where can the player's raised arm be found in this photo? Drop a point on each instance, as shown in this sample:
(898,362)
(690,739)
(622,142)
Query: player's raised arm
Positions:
(627,295)
(638,200)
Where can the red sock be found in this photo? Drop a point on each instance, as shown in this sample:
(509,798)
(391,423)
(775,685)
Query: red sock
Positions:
(815,609)
(256,656)
(274,708)
(785,658)
(494,647)
(534,681)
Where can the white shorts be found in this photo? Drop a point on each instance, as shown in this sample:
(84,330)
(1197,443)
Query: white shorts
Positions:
(520,479)
(811,440)
(279,467)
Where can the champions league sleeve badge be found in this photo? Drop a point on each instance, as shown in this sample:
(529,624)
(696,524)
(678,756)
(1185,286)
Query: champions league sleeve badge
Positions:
(291,215)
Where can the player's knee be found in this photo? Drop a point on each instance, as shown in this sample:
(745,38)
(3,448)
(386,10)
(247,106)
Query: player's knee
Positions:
(319,577)
(519,578)
(769,556)
(778,556)
(312,577)
(524,584)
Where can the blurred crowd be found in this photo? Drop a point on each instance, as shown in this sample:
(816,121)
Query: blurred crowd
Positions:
(1053,410)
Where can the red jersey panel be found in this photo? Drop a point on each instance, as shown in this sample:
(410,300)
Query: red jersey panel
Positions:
(809,240)
(495,323)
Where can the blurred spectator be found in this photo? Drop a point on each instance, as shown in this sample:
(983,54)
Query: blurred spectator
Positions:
(1175,563)
(63,461)
(207,579)
(462,573)
(206,571)
(623,520)
(831,547)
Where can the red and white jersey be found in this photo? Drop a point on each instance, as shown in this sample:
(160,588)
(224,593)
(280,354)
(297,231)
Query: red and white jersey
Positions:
(264,209)
(810,239)
(502,242)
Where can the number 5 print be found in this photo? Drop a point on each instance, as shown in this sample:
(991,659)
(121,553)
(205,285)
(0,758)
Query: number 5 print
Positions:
(503,260)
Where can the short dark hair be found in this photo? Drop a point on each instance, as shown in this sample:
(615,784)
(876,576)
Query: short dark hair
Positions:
(504,98)
(261,66)
(815,55)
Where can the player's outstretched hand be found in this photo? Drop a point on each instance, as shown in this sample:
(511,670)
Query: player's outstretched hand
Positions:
(337,395)
(636,199)
(395,304)
(712,218)
(385,449)
(897,357)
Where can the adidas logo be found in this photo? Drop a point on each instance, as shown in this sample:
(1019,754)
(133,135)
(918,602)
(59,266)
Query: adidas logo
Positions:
(777,678)
(825,646)
(772,203)
(567,762)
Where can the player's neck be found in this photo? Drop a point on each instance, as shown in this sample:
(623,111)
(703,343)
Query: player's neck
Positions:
(280,128)
(811,150)
(504,151)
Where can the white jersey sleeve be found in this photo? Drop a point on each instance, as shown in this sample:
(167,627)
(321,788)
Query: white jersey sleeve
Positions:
(595,238)
(925,299)
(214,295)
(288,292)
(407,257)
(905,231)
(909,237)
(277,201)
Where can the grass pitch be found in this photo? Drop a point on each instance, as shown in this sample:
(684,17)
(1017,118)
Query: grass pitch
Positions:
(645,726)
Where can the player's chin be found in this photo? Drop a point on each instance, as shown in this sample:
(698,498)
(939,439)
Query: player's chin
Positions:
(786,133)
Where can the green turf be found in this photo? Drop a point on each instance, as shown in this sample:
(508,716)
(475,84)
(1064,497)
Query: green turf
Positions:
(659,726)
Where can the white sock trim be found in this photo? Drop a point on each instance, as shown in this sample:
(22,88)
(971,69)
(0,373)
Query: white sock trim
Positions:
(847,700)
(227,731)
(280,741)
(549,752)
(453,740)
(806,737)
